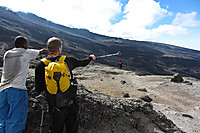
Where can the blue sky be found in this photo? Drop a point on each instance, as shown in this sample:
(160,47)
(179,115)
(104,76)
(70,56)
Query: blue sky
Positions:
(175,22)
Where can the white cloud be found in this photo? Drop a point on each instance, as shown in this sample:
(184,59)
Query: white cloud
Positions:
(95,15)
(140,15)
(89,14)
(169,30)
(21,5)
(144,12)
(186,20)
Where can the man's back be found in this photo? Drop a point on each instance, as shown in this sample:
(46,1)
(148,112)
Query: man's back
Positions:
(15,67)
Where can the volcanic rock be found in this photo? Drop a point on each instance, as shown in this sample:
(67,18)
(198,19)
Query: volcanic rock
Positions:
(177,78)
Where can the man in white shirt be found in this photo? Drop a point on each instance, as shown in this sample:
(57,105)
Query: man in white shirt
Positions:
(13,91)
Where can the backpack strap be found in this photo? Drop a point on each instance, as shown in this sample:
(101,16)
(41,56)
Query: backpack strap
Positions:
(45,61)
(61,58)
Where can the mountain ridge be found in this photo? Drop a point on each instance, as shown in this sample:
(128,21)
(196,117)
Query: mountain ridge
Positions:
(141,56)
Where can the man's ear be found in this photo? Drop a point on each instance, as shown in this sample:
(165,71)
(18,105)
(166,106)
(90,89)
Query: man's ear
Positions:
(25,45)
(59,49)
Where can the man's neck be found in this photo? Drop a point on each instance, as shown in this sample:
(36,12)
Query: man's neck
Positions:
(54,55)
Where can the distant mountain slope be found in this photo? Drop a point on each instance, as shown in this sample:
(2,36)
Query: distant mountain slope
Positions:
(140,56)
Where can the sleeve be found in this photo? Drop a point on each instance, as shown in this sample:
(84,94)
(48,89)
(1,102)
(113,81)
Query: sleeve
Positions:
(79,62)
(40,77)
(33,53)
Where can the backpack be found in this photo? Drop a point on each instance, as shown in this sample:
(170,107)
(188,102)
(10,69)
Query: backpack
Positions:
(57,75)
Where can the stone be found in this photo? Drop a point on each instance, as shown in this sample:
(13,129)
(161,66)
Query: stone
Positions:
(123,82)
(126,95)
(146,98)
(177,78)
(142,89)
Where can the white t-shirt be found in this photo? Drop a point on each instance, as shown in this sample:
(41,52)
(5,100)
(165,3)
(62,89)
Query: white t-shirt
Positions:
(15,67)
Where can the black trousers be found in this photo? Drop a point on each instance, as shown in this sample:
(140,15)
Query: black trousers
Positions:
(64,117)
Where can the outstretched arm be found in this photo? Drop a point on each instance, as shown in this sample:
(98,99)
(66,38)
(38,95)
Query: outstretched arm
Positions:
(73,63)
(44,51)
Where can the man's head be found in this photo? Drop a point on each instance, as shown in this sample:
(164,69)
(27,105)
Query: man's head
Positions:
(54,45)
(21,42)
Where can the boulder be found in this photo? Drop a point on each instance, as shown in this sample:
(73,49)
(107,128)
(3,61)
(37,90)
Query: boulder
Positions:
(177,78)
(125,95)
(123,82)
(143,89)
(146,98)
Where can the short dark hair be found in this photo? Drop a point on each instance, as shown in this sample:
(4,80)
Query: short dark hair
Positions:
(20,41)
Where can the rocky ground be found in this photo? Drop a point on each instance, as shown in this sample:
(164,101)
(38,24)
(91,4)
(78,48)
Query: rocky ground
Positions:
(113,102)
(180,102)
(101,113)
